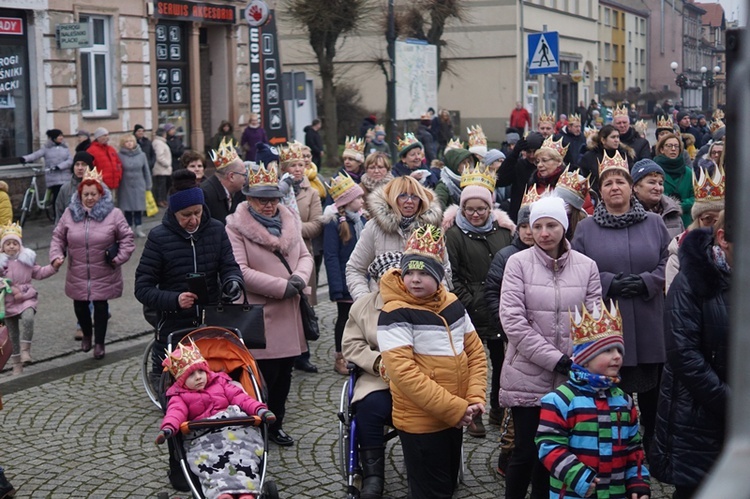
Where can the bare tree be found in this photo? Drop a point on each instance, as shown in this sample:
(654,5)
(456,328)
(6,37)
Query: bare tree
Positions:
(326,21)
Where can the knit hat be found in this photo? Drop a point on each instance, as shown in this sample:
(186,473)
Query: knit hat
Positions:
(343,190)
(83,133)
(408,143)
(681,115)
(186,191)
(596,332)
(266,154)
(492,156)
(100,132)
(354,148)
(85,157)
(168,127)
(454,157)
(551,207)
(573,188)
(12,232)
(523,215)
(383,263)
(534,141)
(185,359)
(644,167)
(476,192)
(512,138)
(137,127)
(54,133)
(424,251)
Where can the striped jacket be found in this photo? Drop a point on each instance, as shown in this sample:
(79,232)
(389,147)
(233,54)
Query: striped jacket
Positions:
(432,355)
(585,434)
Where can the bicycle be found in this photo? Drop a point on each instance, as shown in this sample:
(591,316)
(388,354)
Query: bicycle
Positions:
(32,201)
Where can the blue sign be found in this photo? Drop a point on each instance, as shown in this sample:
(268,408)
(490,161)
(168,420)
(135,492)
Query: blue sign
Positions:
(544,53)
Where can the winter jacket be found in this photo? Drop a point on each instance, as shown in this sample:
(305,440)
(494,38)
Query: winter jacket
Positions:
(220,137)
(538,293)
(310,211)
(64,196)
(215,199)
(494,283)
(428,141)
(314,142)
(6,208)
(381,234)
(148,150)
(520,118)
(266,277)
(85,236)
(373,147)
(640,146)
(20,270)
(83,146)
(639,249)
(136,179)
(515,172)
(169,255)
(588,163)
(574,143)
(432,355)
(163,165)
(570,416)
(176,149)
(679,188)
(360,344)
(336,253)
(694,394)
(673,262)
(471,255)
(107,162)
(671,214)
(219,393)
(250,139)
(57,162)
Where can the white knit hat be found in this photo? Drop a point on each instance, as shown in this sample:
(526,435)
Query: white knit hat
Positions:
(549,206)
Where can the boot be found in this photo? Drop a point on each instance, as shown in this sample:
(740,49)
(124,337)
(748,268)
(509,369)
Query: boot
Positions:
(17,365)
(99,351)
(476,428)
(340,364)
(6,489)
(26,353)
(373,471)
(139,232)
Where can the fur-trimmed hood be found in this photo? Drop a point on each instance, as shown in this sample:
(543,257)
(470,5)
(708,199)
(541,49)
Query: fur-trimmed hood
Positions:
(247,226)
(600,149)
(703,276)
(502,218)
(99,212)
(389,219)
(26,256)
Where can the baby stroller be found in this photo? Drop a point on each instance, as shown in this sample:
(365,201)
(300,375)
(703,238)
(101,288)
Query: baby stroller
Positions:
(224,351)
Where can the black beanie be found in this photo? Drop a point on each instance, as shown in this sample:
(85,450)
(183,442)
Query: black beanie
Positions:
(54,133)
(138,127)
(415,261)
(534,140)
(85,157)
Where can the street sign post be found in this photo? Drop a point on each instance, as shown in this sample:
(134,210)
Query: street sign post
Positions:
(544,53)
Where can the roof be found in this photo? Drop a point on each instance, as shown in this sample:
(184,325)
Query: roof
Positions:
(714,15)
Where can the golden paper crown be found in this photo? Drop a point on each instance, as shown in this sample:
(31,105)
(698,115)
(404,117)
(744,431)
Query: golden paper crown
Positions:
(641,126)
(590,132)
(379,128)
(715,125)
(665,122)
(182,358)
(718,114)
(262,177)
(339,185)
(354,146)
(408,140)
(555,145)
(709,189)
(620,111)
(574,182)
(93,174)
(588,327)
(225,155)
(292,152)
(615,161)
(453,144)
(574,118)
(479,175)
(532,195)
(476,136)
(12,229)
(426,240)
(547,118)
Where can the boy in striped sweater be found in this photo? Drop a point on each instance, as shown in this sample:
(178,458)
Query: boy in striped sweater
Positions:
(588,430)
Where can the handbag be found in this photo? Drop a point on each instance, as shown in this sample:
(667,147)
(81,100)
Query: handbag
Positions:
(110,254)
(246,318)
(151,208)
(309,319)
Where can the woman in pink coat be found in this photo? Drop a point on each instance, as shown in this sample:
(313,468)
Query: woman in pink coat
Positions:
(540,286)
(89,230)
(261,232)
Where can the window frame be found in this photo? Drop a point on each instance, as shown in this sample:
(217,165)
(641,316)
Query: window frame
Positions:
(100,49)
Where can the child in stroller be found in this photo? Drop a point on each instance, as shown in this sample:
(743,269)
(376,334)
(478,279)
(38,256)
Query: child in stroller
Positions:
(226,459)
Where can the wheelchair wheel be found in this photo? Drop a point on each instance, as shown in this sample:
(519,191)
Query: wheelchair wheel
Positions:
(270,491)
(344,423)
(151,380)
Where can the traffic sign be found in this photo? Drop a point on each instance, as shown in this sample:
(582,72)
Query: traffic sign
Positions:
(544,53)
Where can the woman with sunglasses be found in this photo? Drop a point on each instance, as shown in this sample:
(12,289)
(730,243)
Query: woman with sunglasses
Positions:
(678,178)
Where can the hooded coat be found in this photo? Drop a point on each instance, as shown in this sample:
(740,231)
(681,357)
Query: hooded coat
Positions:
(266,277)
(694,392)
(336,253)
(221,136)
(136,179)
(443,193)
(640,146)
(588,164)
(20,270)
(55,156)
(163,165)
(107,162)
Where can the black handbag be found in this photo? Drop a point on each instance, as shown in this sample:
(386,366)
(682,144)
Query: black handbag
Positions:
(110,254)
(246,318)
(307,312)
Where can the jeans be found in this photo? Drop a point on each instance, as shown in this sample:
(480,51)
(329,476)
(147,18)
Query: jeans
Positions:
(373,413)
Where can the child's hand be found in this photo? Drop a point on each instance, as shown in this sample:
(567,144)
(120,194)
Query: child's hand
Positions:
(478,408)
(592,487)
(467,417)
(57,262)
(267,416)
(163,436)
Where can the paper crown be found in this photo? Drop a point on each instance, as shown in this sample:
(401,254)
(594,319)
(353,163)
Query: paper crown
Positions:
(555,145)
(476,136)
(718,114)
(615,161)
(594,326)
(620,111)
(454,144)
(225,155)
(378,128)
(355,148)
(478,175)
(715,125)
(709,189)
(182,359)
(574,118)
(408,140)
(262,177)
(590,132)
(547,118)
(292,152)
(339,185)
(574,182)
(532,195)
(665,122)
(426,240)
(93,174)
(11,230)
(641,126)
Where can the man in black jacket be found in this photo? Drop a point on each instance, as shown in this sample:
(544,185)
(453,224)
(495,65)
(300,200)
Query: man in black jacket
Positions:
(314,142)
(517,169)
(573,138)
(222,190)
(629,136)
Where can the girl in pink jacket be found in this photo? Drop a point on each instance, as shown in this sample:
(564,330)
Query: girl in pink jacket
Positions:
(18,265)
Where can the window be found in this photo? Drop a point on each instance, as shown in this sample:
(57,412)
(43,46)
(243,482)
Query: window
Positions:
(606,51)
(636,26)
(96,73)
(635,53)
(643,57)
(643,27)
(615,52)
(606,16)
(630,67)
(623,53)
(616,84)
(615,15)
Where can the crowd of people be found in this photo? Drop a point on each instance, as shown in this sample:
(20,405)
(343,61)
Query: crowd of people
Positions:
(596,278)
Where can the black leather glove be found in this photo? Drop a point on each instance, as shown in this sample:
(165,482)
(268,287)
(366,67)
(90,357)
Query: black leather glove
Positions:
(617,286)
(231,291)
(290,290)
(22,160)
(518,148)
(267,416)
(634,286)
(563,365)
(298,282)
(163,436)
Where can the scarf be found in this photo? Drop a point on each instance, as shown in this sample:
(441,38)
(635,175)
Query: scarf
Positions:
(371,184)
(466,226)
(272,224)
(356,219)
(582,376)
(356,176)
(453,182)
(635,214)
(720,259)
(406,222)
(551,179)
(675,168)
(296,186)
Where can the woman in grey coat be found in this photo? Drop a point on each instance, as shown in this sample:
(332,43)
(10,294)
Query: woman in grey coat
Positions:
(136,178)
(57,161)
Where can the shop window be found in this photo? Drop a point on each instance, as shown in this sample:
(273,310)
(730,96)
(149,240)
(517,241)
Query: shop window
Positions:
(96,72)
(15,89)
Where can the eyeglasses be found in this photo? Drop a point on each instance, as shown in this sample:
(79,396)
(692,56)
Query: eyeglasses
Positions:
(671,146)
(476,211)
(267,201)
(543,160)
(708,219)
(408,197)
(239,173)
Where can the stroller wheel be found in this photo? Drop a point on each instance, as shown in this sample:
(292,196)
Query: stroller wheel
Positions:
(270,491)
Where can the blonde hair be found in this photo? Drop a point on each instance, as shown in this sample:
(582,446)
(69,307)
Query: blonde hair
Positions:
(126,137)
(552,153)
(344,233)
(407,185)
(374,157)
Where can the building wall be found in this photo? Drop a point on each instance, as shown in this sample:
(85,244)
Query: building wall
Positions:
(637,40)
(665,43)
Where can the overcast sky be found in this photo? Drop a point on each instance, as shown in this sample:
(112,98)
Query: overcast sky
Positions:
(735,9)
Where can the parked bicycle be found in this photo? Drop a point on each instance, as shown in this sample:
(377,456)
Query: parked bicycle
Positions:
(33,201)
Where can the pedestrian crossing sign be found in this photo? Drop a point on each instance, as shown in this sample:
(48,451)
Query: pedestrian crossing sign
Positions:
(544,53)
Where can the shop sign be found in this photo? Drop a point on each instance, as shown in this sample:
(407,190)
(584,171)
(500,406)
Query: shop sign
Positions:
(11,26)
(181,10)
(11,73)
(72,36)
(256,13)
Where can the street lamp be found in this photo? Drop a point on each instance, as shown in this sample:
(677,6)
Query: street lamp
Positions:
(707,81)
(681,80)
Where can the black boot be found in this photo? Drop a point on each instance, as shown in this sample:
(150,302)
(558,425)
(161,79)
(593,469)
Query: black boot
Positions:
(373,469)
(6,489)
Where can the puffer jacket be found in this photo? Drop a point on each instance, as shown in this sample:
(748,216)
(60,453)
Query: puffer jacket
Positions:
(694,392)
(538,293)
(163,165)
(55,156)
(107,161)
(336,253)
(435,374)
(381,234)
(673,262)
(6,208)
(20,270)
(85,236)
(169,255)
(494,283)
(218,394)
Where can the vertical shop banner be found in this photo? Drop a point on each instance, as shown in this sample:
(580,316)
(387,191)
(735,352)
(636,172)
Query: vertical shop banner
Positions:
(265,79)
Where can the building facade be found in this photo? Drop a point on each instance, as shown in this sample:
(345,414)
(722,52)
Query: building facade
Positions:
(713,33)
